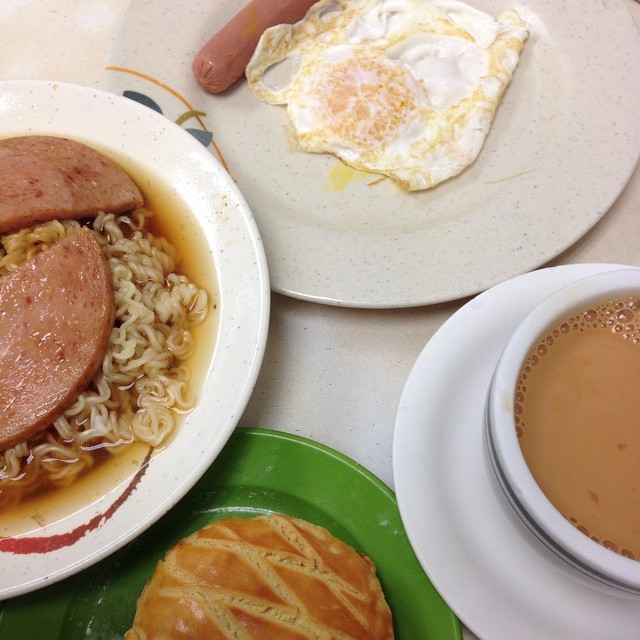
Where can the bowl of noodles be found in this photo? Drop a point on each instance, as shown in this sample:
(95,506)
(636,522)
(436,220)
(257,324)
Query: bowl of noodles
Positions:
(191,295)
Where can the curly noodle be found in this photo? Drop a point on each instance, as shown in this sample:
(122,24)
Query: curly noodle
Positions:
(143,383)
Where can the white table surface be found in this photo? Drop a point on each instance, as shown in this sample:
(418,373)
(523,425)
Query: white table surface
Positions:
(332,374)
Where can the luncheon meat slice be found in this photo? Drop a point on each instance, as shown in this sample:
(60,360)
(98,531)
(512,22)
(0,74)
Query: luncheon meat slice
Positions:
(56,314)
(43,178)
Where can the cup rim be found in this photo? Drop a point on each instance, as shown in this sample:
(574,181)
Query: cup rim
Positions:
(511,469)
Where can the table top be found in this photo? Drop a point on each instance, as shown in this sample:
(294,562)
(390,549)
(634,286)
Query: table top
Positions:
(332,374)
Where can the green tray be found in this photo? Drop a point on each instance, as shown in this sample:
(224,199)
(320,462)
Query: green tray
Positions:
(257,471)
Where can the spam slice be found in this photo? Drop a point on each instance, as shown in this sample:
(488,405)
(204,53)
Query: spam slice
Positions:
(56,314)
(44,178)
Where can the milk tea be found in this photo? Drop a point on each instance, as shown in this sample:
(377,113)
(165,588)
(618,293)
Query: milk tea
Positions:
(577,416)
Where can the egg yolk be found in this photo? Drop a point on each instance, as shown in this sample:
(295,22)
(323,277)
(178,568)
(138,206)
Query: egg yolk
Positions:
(361,100)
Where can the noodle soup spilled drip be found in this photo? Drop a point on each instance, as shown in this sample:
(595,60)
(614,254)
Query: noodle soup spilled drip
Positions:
(142,386)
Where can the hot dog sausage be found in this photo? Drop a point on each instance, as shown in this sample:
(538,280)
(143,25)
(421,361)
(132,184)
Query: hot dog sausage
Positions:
(45,177)
(223,59)
(56,314)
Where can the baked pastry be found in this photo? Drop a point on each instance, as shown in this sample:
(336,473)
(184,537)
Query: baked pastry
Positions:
(270,576)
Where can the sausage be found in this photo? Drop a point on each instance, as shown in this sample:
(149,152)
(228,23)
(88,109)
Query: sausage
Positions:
(223,59)
(57,310)
(45,177)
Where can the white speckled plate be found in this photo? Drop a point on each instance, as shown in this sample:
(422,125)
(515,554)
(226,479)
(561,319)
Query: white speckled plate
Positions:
(64,533)
(563,145)
(500,580)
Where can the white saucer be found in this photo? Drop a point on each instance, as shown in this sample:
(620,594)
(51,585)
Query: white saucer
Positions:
(495,575)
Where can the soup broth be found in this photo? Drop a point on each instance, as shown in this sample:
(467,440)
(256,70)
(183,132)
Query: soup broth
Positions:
(113,471)
(578,421)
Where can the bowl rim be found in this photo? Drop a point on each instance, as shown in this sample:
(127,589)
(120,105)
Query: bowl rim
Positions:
(507,459)
(124,130)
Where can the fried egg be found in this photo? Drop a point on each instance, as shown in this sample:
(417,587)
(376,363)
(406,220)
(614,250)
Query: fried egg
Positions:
(402,88)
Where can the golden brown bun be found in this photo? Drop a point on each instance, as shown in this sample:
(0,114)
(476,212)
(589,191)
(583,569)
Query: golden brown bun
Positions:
(258,578)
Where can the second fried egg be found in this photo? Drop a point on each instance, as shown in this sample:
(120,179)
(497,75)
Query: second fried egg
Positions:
(402,88)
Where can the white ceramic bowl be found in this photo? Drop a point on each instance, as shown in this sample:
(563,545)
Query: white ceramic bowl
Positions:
(601,567)
(169,162)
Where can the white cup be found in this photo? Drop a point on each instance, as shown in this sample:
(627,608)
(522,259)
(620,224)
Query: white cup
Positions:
(602,567)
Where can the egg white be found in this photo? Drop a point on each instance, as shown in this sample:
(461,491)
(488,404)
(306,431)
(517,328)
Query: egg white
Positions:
(402,88)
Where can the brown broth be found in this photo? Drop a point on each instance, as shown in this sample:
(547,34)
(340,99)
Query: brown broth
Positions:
(578,421)
(112,473)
